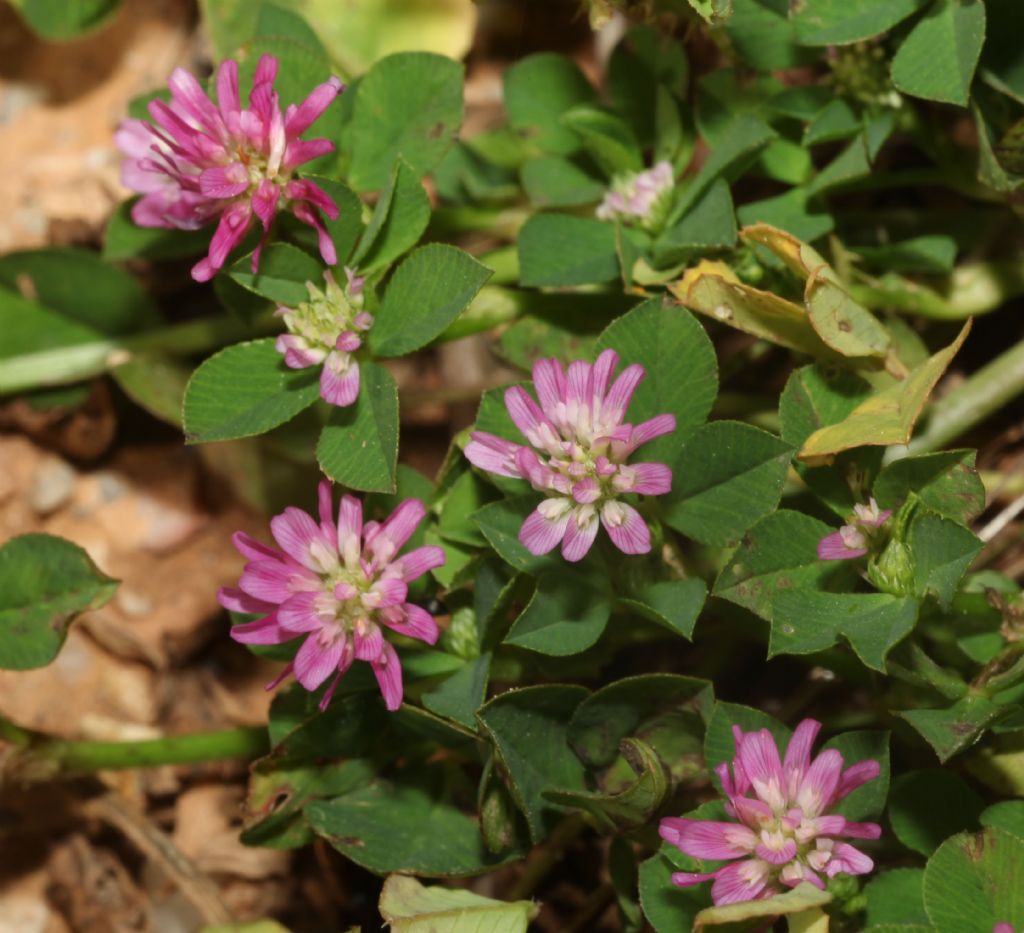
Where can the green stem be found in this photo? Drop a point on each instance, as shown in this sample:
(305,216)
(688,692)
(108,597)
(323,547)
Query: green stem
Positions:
(498,221)
(86,360)
(43,757)
(970,403)
(970,289)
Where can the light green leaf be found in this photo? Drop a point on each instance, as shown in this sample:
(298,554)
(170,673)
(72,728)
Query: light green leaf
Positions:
(409,907)
(709,224)
(65,20)
(358,446)
(430,288)
(726,477)
(409,105)
(937,59)
(553,181)
(803,897)
(974,882)
(399,218)
(244,390)
(45,583)
(608,139)
(942,552)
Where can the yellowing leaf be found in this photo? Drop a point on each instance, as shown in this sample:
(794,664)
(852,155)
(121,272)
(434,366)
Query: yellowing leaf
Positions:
(803,897)
(887,417)
(713,289)
(843,324)
(410,907)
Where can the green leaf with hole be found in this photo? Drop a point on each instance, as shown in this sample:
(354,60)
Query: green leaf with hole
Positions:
(244,390)
(538,91)
(726,477)
(409,105)
(937,59)
(358,446)
(45,584)
(433,285)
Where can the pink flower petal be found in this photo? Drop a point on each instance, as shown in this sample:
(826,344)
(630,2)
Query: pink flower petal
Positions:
(299,537)
(493,454)
(706,839)
(746,880)
(604,366)
(236,600)
(798,752)
(350,529)
(315,662)
(228,101)
(319,99)
(417,623)
(833,547)
(856,775)
(759,758)
(818,787)
(339,388)
(388,671)
(252,549)
(626,528)
(580,532)
(401,524)
(549,382)
(845,858)
(298,613)
(417,562)
(263,631)
(543,528)
(613,408)
(528,417)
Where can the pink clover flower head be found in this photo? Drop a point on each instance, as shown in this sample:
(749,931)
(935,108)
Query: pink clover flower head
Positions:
(326,331)
(1003,927)
(577,453)
(782,832)
(853,539)
(195,161)
(337,583)
(639,197)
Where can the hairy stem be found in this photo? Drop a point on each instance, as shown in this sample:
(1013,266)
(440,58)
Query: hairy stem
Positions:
(41,757)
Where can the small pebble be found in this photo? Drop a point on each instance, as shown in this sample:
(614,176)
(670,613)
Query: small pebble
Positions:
(52,486)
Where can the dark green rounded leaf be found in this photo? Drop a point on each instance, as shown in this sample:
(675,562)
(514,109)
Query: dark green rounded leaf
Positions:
(431,288)
(408,105)
(245,390)
(726,477)
(358,446)
(567,614)
(927,807)
(282,275)
(45,582)
(681,370)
